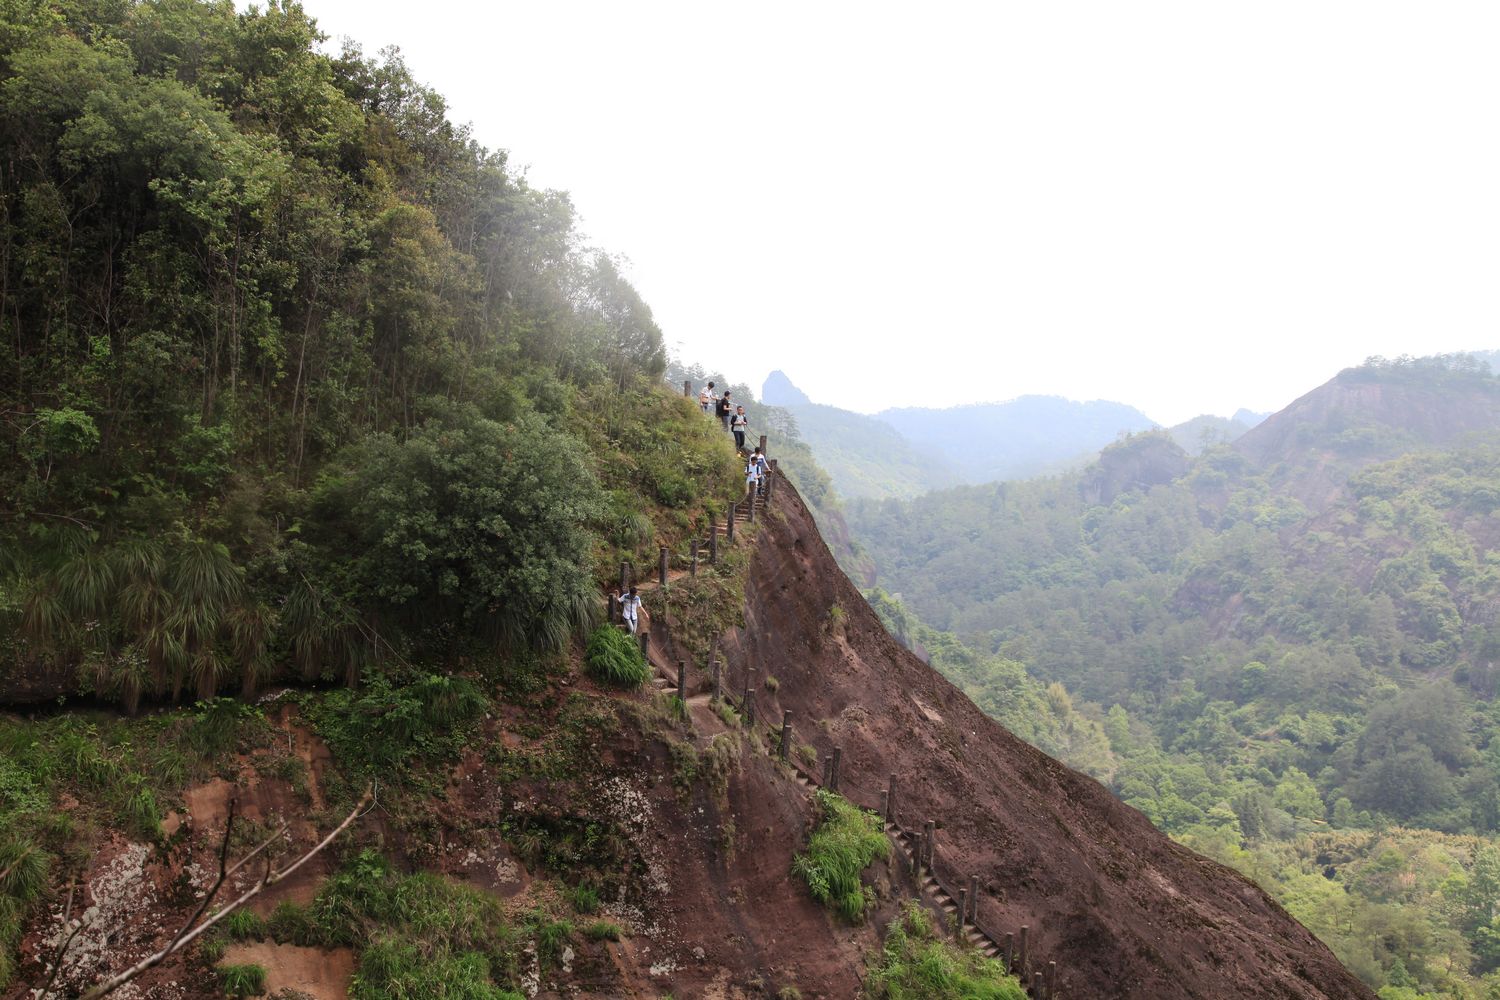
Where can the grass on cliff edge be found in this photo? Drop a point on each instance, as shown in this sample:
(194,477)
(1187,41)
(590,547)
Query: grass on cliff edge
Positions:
(846,841)
(916,964)
(614,658)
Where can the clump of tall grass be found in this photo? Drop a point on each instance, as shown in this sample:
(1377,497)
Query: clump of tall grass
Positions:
(615,658)
(916,962)
(846,841)
(243,980)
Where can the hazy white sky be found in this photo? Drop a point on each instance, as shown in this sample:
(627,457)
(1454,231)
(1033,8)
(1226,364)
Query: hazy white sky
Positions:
(1189,207)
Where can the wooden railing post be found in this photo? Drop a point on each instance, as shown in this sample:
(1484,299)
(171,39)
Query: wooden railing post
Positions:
(661,567)
(1036,986)
(762,444)
(612,603)
(1021,955)
(974,899)
(713,545)
(929,834)
(717,695)
(1051,980)
(682,683)
(786,732)
(734,510)
(646,646)
(693,563)
(687,388)
(1009,951)
(747,703)
(624,576)
(838,753)
(963,910)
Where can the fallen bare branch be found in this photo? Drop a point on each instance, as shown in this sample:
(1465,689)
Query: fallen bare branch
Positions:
(270,878)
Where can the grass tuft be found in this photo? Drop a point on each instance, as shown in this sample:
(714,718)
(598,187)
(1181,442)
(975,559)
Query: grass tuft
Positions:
(846,841)
(614,658)
(916,962)
(244,925)
(243,980)
(603,930)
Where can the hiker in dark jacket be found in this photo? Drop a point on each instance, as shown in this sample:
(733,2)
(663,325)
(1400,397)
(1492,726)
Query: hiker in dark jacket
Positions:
(724,409)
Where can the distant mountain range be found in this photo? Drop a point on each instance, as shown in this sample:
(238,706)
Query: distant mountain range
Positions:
(908,451)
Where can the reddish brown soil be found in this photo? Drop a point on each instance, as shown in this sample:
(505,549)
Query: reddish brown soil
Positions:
(1123,910)
(322,975)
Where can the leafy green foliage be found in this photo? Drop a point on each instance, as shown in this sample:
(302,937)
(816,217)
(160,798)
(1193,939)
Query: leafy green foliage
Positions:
(321,322)
(422,934)
(390,727)
(916,964)
(844,844)
(469,520)
(614,657)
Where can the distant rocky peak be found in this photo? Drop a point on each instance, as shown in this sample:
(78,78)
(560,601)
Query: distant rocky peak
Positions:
(778,390)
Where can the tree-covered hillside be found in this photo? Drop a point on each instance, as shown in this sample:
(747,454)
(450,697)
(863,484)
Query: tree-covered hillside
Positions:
(1251,672)
(300,384)
(295,369)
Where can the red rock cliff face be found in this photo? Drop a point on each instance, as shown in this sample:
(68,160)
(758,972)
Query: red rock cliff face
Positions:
(1123,910)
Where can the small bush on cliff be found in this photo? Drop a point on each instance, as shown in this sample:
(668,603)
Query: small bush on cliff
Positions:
(915,964)
(614,658)
(847,839)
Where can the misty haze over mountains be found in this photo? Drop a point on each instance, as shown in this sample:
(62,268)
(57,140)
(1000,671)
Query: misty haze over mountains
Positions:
(906,451)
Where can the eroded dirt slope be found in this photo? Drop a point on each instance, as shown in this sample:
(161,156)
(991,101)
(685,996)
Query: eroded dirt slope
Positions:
(1123,910)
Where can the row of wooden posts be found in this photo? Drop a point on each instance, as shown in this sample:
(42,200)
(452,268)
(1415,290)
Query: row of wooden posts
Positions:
(1014,948)
(696,548)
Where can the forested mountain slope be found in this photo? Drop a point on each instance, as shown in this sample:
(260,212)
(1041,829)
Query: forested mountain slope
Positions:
(1292,635)
(324,434)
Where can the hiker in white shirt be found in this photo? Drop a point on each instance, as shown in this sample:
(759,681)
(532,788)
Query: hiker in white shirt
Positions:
(706,397)
(630,606)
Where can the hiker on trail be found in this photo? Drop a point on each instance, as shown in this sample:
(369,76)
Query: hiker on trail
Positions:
(706,397)
(752,474)
(725,408)
(762,470)
(737,424)
(630,605)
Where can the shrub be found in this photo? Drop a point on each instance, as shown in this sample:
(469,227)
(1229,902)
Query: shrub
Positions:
(615,658)
(468,519)
(387,723)
(243,980)
(915,962)
(846,841)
